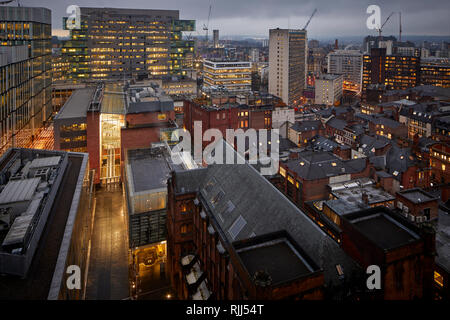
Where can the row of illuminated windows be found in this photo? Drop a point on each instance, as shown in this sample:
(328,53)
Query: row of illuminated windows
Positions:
(73,139)
(229,83)
(230,70)
(24,30)
(442,131)
(442,166)
(441,156)
(73,127)
(228,76)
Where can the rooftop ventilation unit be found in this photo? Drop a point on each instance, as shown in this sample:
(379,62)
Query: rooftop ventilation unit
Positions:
(42,173)
(18,176)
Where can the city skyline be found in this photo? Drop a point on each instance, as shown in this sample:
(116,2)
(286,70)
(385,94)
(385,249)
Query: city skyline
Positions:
(139,163)
(343,18)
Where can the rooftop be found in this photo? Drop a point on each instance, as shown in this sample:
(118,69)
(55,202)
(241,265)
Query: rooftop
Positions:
(417,195)
(382,229)
(288,265)
(342,207)
(244,204)
(149,168)
(142,99)
(19,190)
(77,104)
(312,165)
(37,282)
(302,126)
(113,99)
(329,76)
(353,191)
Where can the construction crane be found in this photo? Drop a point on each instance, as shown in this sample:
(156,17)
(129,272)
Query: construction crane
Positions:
(381,28)
(400,27)
(306,25)
(206,26)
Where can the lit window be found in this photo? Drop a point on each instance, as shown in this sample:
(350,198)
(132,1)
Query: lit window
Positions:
(438,279)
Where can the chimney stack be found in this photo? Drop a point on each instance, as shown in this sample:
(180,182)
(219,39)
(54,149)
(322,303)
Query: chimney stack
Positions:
(365,198)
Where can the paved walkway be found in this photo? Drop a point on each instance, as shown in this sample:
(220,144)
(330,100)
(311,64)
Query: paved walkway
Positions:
(108,265)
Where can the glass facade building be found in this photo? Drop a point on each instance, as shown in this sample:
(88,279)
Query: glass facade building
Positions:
(128,43)
(25,74)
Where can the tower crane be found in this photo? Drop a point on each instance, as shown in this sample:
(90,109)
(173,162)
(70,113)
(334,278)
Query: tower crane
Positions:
(400,25)
(381,28)
(206,26)
(309,20)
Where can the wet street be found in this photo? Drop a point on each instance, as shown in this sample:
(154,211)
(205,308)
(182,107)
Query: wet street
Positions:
(108,265)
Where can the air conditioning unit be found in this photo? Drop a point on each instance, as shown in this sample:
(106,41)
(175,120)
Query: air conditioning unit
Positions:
(42,173)
(17,176)
(411,217)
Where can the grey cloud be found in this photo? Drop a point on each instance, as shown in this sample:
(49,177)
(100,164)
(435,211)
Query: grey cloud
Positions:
(334,17)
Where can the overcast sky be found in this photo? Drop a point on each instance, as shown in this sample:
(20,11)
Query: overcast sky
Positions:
(256,17)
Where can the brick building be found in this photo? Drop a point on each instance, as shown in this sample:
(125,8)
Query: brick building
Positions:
(226,223)
(417,205)
(303,131)
(404,252)
(227,116)
(306,177)
(149,118)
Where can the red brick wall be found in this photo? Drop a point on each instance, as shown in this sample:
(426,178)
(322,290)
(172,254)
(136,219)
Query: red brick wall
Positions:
(416,209)
(148,118)
(135,138)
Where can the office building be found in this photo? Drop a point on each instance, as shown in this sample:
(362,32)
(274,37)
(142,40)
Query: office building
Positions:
(254,55)
(232,76)
(70,124)
(328,89)
(128,43)
(371,42)
(45,222)
(108,119)
(287,64)
(435,72)
(349,64)
(25,74)
(222,112)
(306,178)
(392,71)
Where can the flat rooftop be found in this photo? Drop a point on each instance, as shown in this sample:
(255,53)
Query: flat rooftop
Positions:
(329,76)
(417,195)
(77,104)
(277,258)
(384,231)
(149,169)
(36,285)
(113,99)
(354,193)
(342,207)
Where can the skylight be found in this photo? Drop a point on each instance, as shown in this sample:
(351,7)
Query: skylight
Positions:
(237,227)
